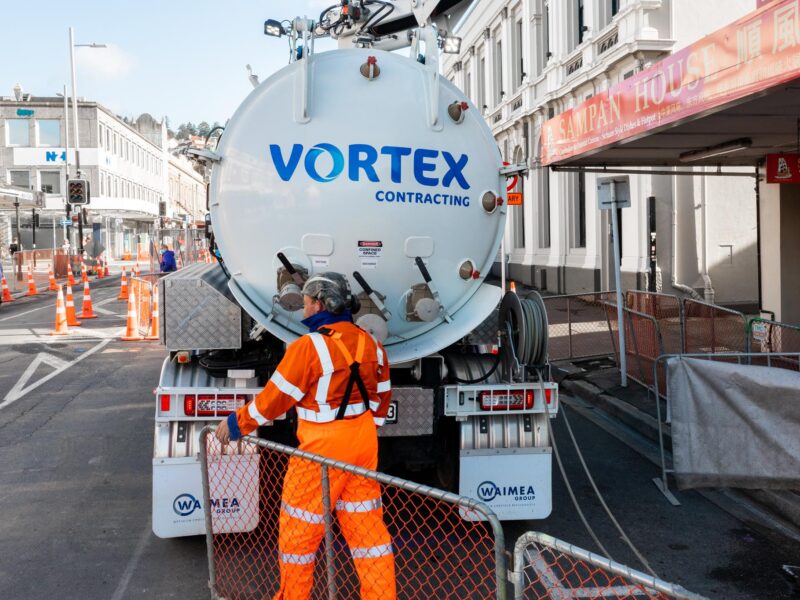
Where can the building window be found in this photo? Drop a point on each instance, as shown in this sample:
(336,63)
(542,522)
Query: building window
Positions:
(546,33)
(50,182)
(579,221)
(519,211)
(544,208)
(108,139)
(519,70)
(614,7)
(582,29)
(498,73)
(48,132)
(18,132)
(481,83)
(21,179)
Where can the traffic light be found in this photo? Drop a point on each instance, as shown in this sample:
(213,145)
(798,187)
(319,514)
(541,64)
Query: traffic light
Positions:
(78,191)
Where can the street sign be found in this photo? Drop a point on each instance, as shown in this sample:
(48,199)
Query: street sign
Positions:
(514,199)
(65,222)
(783,168)
(621,197)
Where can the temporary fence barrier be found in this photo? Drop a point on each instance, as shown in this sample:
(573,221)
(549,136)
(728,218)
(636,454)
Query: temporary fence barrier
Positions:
(40,262)
(709,328)
(547,568)
(578,326)
(643,343)
(143,286)
(189,245)
(765,336)
(440,545)
(667,310)
(777,359)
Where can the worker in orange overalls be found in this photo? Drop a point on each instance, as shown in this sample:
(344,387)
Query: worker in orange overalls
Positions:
(337,378)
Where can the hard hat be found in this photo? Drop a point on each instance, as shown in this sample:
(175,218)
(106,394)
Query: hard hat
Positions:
(333,291)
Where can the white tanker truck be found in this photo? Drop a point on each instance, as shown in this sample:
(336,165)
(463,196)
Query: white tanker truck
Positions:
(367,163)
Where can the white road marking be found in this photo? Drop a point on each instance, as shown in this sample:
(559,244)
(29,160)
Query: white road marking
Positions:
(27,312)
(19,390)
(119,593)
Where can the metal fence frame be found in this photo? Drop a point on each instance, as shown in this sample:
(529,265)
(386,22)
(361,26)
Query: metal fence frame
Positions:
(662,482)
(715,309)
(641,579)
(660,295)
(627,322)
(143,286)
(774,329)
(387,480)
(601,298)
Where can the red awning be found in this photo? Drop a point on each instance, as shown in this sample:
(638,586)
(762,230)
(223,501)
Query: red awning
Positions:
(728,99)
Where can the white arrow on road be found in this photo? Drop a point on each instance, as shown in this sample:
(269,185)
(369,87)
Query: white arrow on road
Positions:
(21,388)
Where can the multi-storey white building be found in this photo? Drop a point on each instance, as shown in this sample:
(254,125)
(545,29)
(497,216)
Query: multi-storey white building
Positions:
(125,163)
(524,61)
(186,192)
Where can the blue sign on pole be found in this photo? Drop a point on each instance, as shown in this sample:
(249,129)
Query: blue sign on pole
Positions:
(65,222)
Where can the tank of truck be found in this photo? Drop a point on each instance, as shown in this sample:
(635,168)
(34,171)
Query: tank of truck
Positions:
(373,175)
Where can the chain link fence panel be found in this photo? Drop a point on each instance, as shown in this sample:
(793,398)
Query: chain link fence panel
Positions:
(764,336)
(578,326)
(643,343)
(332,530)
(712,329)
(546,568)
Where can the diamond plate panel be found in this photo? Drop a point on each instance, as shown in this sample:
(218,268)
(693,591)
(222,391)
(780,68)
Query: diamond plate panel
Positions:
(195,312)
(414,413)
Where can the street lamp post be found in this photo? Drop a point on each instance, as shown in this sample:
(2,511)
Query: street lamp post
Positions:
(72,46)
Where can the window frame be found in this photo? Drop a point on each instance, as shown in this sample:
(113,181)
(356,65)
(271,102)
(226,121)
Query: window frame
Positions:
(9,142)
(38,133)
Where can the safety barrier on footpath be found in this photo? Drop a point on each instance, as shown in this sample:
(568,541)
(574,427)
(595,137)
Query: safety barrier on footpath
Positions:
(143,286)
(578,326)
(189,245)
(667,310)
(547,568)
(773,359)
(764,336)
(440,545)
(709,328)
(40,262)
(643,343)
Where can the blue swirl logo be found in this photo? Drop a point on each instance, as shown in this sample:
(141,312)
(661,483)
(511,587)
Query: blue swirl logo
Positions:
(311,162)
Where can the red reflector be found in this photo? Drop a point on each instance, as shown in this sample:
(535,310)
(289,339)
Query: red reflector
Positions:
(164,402)
(548,392)
(529,399)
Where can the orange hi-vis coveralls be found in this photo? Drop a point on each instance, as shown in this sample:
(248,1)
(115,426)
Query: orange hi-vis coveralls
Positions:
(314,377)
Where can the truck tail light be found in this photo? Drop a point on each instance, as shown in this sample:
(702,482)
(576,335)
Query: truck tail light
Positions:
(164,400)
(548,393)
(506,400)
(212,405)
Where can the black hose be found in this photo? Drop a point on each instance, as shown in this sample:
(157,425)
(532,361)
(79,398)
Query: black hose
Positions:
(483,378)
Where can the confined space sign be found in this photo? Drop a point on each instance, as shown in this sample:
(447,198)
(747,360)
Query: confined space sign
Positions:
(369,252)
(515,483)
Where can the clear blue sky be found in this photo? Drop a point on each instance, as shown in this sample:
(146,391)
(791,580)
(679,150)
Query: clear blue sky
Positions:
(181,58)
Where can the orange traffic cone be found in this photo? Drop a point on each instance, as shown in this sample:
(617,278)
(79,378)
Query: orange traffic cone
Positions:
(123,289)
(105,269)
(154,317)
(84,273)
(99,268)
(70,275)
(72,320)
(53,285)
(135,271)
(132,325)
(61,315)
(86,311)
(7,297)
(31,283)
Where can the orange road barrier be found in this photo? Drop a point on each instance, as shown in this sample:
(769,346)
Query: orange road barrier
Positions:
(132,325)
(61,315)
(7,297)
(99,268)
(84,273)
(123,289)
(31,283)
(53,285)
(70,274)
(153,316)
(72,320)
(86,310)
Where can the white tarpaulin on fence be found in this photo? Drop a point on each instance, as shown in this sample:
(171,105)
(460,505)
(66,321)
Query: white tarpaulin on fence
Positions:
(734,425)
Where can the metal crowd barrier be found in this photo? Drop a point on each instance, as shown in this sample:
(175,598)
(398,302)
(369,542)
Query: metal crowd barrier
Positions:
(767,359)
(765,336)
(443,545)
(577,326)
(547,568)
(643,342)
(709,328)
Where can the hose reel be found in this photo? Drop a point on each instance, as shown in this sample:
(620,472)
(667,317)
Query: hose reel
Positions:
(524,322)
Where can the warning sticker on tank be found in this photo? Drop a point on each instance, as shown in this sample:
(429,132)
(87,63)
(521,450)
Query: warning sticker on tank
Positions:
(370,249)
(320,261)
